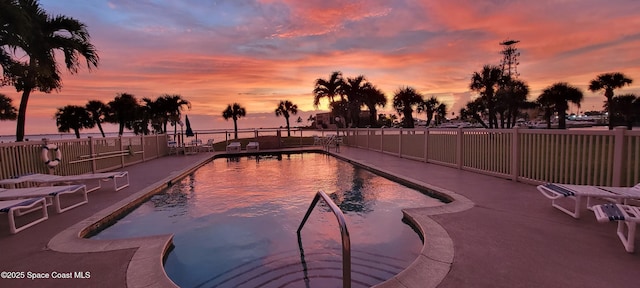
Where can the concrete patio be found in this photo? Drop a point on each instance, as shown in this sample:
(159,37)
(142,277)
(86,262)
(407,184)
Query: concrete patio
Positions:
(497,233)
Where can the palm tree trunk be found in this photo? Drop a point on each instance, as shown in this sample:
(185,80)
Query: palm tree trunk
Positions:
(100,128)
(562,122)
(22,114)
(77,132)
(610,108)
(288,130)
(235,128)
(372,117)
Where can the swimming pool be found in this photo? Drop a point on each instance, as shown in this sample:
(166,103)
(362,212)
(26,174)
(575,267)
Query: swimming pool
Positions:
(235,223)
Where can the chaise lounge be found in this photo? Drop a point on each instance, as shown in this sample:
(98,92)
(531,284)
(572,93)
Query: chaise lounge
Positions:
(20,207)
(627,217)
(253,146)
(52,194)
(577,193)
(47,179)
(234,147)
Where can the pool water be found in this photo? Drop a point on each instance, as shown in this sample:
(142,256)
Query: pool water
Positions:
(234,223)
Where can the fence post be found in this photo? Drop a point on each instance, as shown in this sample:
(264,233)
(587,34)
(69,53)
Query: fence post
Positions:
(121,154)
(142,146)
(459,148)
(515,153)
(381,139)
(426,145)
(618,153)
(92,152)
(400,144)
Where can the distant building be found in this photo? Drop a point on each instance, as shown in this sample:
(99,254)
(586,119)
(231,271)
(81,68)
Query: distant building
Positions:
(325,121)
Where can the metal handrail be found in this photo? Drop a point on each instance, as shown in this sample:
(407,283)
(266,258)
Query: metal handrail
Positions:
(346,242)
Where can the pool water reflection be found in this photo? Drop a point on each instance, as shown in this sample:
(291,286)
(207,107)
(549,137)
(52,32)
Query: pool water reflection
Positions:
(235,223)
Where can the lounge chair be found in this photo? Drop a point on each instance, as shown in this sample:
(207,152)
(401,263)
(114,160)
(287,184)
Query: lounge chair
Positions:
(555,192)
(20,207)
(253,146)
(234,147)
(627,217)
(52,193)
(47,179)
(209,146)
(173,146)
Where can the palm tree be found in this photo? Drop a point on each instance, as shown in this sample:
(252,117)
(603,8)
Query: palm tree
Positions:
(558,96)
(123,111)
(7,111)
(625,108)
(373,97)
(441,113)
(474,109)
(32,36)
(153,112)
(234,112)
(98,111)
(327,88)
(403,101)
(354,89)
(170,108)
(609,82)
(486,83)
(72,117)
(284,109)
(512,97)
(428,106)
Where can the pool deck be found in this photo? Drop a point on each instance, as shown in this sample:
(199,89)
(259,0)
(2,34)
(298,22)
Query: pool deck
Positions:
(497,233)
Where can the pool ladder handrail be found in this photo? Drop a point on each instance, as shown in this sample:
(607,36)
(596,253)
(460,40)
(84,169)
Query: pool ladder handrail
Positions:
(332,140)
(346,241)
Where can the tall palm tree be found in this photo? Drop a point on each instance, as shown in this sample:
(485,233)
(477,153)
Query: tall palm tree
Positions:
(372,98)
(609,82)
(284,109)
(354,89)
(153,112)
(73,117)
(98,111)
(511,97)
(329,88)
(7,111)
(171,107)
(32,39)
(487,83)
(558,96)
(403,101)
(625,109)
(429,107)
(234,111)
(123,111)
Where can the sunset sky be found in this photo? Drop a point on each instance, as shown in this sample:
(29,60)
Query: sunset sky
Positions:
(258,52)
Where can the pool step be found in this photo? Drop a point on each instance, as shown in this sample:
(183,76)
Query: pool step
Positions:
(323,268)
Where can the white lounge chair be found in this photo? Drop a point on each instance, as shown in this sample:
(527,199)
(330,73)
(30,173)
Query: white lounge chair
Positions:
(173,147)
(209,146)
(627,217)
(20,207)
(52,193)
(234,147)
(253,146)
(121,177)
(577,193)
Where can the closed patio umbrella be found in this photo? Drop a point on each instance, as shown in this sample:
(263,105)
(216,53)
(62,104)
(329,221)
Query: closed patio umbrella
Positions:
(189,132)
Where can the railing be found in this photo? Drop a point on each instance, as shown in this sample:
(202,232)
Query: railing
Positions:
(346,242)
(589,157)
(86,155)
